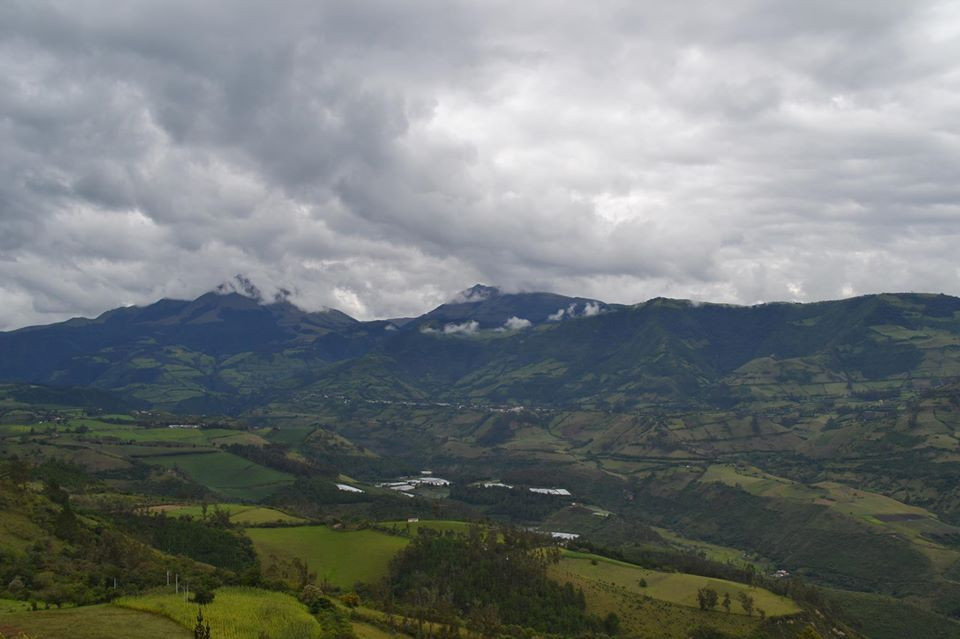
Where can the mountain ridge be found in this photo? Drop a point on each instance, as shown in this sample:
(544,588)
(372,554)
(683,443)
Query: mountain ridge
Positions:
(524,348)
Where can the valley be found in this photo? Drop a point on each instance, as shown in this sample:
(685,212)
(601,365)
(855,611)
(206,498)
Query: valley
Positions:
(806,456)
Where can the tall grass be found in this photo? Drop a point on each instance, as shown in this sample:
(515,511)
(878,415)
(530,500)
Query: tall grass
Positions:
(236,613)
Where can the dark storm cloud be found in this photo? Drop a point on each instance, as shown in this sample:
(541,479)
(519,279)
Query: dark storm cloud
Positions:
(379,156)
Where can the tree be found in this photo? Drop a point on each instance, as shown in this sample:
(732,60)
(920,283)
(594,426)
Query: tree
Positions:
(304,576)
(611,624)
(66,526)
(484,619)
(707,598)
(220,517)
(202,596)
(313,597)
(746,601)
(201,630)
(726,601)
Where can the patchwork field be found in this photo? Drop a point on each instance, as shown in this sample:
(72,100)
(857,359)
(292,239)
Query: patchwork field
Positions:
(235,613)
(93,622)
(225,473)
(342,558)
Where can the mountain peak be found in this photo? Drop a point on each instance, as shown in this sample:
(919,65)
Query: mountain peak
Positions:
(476,293)
(242,285)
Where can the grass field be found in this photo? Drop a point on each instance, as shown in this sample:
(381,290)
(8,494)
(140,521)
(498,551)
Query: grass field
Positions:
(713,552)
(12,605)
(440,525)
(236,613)
(227,474)
(242,514)
(93,622)
(677,588)
(179,435)
(342,558)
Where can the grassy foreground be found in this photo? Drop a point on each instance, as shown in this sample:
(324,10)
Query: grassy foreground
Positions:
(342,558)
(236,613)
(92,622)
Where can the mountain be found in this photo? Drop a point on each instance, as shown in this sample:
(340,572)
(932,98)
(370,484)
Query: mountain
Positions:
(234,350)
(491,308)
(219,342)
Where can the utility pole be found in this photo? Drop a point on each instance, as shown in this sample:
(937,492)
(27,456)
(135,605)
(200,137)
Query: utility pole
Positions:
(168,577)
(176,584)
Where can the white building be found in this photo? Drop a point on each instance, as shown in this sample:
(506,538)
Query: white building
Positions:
(562,492)
(348,489)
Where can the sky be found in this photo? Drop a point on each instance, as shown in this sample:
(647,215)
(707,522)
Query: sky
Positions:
(379,156)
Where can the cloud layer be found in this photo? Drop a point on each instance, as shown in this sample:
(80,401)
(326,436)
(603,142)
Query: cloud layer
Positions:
(379,156)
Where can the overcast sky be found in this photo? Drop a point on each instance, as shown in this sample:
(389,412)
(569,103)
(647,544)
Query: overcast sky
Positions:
(378,157)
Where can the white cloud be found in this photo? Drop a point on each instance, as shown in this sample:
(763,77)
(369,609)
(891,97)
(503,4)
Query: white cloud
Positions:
(377,158)
(590,309)
(556,317)
(517,323)
(466,328)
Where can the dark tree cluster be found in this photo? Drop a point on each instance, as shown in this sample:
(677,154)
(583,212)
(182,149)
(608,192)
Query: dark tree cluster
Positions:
(492,579)
(515,504)
(201,541)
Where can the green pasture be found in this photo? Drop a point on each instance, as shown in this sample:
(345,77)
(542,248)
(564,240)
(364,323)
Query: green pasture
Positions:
(196,436)
(674,587)
(440,525)
(340,557)
(713,552)
(225,473)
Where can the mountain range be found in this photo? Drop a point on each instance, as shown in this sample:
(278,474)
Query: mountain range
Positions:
(228,348)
